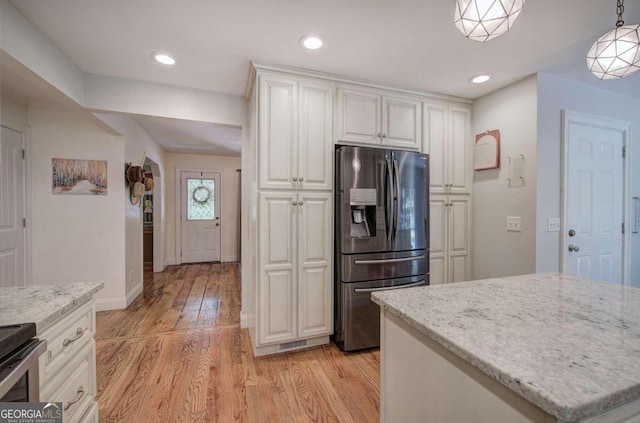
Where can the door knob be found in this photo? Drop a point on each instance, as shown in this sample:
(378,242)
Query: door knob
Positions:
(572,232)
(573,248)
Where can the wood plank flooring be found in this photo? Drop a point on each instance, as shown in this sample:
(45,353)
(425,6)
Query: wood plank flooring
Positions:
(177,354)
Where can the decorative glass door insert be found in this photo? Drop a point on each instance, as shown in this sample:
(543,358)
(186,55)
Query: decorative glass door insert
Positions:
(201,199)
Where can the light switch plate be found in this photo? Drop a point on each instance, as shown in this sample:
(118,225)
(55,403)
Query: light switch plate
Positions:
(514,224)
(553,224)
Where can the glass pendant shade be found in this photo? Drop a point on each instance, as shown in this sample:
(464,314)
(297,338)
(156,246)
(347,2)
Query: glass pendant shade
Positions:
(482,20)
(616,54)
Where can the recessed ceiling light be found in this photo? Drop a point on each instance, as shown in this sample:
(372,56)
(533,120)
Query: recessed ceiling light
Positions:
(479,79)
(164,58)
(312,42)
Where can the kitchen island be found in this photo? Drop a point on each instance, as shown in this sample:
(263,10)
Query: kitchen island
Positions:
(532,348)
(65,317)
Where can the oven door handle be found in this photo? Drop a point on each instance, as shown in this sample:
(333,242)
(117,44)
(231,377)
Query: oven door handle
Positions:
(386,288)
(24,359)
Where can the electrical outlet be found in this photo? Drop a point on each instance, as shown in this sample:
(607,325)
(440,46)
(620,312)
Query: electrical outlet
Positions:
(553,224)
(514,224)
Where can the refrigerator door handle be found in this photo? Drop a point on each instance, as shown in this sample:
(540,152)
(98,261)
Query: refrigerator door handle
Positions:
(386,288)
(396,177)
(394,260)
(388,207)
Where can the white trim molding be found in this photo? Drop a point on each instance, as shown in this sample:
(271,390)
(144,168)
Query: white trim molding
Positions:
(133,294)
(106,304)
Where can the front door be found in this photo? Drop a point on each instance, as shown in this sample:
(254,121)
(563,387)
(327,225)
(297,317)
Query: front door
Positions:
(201,216)
(593,239)
(12,239)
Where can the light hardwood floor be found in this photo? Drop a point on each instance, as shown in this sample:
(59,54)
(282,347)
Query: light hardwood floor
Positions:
(177,354)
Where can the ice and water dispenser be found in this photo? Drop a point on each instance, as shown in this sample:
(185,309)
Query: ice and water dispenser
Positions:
(363,212)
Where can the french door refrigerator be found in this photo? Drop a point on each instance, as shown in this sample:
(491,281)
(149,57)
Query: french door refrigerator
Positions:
(381,235)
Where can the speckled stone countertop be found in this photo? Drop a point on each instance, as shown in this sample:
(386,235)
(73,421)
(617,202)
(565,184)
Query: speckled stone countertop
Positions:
(570,346)
(43,304)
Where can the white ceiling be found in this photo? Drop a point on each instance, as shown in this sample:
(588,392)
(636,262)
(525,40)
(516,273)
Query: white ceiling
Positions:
(404,43)
(183,136)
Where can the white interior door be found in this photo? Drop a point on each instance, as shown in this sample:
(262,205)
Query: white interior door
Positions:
(12,240)
(593,239)
(200,216)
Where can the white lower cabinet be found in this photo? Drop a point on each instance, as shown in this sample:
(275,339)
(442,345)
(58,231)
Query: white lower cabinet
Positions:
(295,290)
(68,367)
(449,239)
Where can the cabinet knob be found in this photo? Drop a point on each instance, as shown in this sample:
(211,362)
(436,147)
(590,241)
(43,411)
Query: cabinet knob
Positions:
(301,179)
(295,179)
(301,202)
(379,134)
(295,203)
(384,135)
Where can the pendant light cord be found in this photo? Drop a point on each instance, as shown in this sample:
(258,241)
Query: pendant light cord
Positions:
(620,12)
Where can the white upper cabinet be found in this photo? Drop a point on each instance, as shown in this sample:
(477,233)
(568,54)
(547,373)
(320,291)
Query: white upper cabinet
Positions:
(447,140)
(314,168)
(277,110)
(368,117)
(295,130)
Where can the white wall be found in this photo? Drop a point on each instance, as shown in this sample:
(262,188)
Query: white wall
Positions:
(230,182)
(497,252)
(137,145)
(76,237)
(13,114)
(554,95)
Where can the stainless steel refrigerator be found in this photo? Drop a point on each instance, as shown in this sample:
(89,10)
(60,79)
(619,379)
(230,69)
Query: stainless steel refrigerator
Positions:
(381,238)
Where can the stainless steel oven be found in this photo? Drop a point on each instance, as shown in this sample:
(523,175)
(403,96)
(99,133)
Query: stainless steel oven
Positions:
(19,356)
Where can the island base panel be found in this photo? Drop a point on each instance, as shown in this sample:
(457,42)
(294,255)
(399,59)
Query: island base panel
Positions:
(421,381)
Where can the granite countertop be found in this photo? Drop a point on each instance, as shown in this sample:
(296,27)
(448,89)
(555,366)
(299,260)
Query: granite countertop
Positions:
(43,304)
(571,346)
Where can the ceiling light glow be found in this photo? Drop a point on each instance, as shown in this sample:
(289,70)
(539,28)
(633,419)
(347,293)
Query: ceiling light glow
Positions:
(616,54)
(312,42)
(164,58)
(479,79)
(482,20)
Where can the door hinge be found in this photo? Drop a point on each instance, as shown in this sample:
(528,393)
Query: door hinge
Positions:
(24,222)
(23,154)
(623,229)
(624,152)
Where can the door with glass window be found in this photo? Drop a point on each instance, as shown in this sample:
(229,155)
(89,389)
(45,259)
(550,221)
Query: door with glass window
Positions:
(200,216)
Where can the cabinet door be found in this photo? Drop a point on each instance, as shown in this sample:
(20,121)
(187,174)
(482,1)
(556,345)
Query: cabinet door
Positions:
(276,287)
(277,134)
(458,238)
(358,117)
(434,144)
(437,240)
(401,122)
(459,172)
(315,144)
(315,246)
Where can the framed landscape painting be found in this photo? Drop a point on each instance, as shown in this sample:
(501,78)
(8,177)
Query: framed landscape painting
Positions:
(79,177)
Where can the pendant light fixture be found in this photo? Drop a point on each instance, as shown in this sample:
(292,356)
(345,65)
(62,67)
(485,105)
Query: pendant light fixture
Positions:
(482,20)
(617,53)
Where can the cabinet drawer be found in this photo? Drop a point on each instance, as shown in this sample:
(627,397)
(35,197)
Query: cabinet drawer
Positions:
(91,416)
(74,386)
(65,339)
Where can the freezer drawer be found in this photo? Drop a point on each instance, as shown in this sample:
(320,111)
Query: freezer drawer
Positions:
(358,320)
(377,266)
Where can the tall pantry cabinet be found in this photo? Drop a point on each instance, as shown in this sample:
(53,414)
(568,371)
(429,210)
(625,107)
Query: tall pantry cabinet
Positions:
(294,278)
(447,140)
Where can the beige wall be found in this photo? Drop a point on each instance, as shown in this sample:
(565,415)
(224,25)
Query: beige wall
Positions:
(497,252)
(138,144)
(230,185)
(76,237)
(13,114)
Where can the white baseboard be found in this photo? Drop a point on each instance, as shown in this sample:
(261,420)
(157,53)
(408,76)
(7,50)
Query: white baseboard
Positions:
(228,259)
(105,304)
(133,294)
(170,262)
(244,320)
